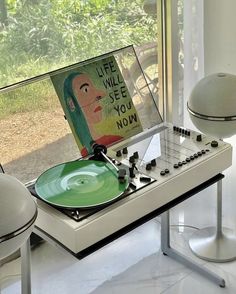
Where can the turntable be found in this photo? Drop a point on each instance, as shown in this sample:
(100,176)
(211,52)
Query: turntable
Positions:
(168,165)
(133,165)
(83,187)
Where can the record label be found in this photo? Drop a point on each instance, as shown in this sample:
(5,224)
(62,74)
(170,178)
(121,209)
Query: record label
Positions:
(80,184)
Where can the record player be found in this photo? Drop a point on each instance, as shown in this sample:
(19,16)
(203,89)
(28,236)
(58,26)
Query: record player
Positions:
(132,164)
(170,164)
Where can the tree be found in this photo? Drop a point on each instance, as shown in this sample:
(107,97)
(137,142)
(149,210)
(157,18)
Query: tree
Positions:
(3,13)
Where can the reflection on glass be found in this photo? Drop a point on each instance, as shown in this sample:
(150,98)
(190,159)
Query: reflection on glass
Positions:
(153,150)
(36,136)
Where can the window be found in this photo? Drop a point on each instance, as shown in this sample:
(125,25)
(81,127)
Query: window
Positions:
(184,56)
(40,36)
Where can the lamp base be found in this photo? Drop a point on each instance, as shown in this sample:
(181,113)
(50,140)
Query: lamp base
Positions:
(208,245)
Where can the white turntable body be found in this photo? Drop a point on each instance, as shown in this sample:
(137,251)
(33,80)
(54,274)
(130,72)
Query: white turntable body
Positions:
(178,159)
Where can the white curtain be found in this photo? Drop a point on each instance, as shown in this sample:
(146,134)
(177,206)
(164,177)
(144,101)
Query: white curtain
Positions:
(193,21)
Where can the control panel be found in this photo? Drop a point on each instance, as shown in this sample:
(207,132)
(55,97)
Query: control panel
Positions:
(163,154)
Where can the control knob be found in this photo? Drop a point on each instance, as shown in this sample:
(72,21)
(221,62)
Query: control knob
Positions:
(118,153)
(131,159)
(148,166)
(199,138)
(125,150)
(153,162)
(214,144)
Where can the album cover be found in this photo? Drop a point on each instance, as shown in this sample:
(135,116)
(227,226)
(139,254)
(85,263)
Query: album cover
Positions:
(97,104)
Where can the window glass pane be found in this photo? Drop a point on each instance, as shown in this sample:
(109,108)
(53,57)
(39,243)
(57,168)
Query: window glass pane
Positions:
(193,50)
(40,36)
(188,61)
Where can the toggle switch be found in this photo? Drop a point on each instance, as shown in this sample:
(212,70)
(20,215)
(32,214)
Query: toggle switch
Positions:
(125,150)
(148,166)
(153,162)
(199,138)
(118,153)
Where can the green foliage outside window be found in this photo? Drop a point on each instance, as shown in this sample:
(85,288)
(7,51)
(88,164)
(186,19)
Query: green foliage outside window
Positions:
(42,35)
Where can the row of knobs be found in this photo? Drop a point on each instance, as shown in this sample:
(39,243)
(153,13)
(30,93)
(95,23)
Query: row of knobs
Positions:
(163,172)
(186,132)
(181,131)
(190,158)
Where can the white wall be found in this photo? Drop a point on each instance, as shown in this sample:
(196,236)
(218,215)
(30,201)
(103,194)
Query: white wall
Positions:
(193,50)
(220,36)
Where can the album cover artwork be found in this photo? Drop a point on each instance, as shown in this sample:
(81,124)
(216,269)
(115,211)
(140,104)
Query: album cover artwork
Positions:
(97,104)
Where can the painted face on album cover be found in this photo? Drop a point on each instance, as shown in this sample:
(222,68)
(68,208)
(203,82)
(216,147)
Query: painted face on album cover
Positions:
(88,97)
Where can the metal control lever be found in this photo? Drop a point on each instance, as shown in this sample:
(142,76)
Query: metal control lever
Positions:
(108,160)
(121,172)
(100,150)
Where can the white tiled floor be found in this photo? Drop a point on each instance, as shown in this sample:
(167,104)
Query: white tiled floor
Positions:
(131,264)
(134,263)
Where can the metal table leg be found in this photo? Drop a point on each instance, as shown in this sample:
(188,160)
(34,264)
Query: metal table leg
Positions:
(25,268)
(166,249)
(212,243)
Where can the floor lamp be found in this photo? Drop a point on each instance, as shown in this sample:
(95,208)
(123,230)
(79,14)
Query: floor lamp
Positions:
(212,109)
(18,213)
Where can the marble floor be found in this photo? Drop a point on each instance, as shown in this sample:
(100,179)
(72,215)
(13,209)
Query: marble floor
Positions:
(134,263)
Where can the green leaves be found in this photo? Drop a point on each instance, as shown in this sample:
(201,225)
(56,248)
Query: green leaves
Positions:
(61,32)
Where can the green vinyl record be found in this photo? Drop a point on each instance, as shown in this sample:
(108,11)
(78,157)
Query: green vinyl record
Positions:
(80,184)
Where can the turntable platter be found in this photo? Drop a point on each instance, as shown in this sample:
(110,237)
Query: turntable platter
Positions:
(80,184)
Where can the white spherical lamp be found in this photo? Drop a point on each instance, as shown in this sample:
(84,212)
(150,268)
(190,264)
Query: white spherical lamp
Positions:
(18,213)
(212,105)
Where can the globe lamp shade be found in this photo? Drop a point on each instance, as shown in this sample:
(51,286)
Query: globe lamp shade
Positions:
(18,213)
(212,105)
